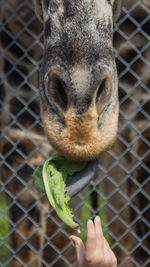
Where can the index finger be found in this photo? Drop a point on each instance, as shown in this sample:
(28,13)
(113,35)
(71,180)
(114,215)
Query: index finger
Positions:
(99,233)
(91,238)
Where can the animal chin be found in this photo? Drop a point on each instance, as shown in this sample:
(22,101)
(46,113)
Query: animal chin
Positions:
(82,151)
(82,146)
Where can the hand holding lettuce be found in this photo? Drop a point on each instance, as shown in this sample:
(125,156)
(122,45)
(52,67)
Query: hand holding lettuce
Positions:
(51,176)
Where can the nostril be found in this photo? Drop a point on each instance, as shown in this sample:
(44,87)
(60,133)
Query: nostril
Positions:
(58,93)
(102,88)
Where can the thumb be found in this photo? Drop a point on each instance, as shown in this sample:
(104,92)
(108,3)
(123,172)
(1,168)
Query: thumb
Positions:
(80,249)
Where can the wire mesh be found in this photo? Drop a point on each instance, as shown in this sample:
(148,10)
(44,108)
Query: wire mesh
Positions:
(30,232)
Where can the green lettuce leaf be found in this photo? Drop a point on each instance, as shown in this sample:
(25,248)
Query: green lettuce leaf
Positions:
(55,171)
(37,176)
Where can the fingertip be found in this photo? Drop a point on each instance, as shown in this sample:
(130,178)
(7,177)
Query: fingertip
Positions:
(79,247)
(97,222)
(72,238)
(90,226)
(98,228)
(89,222)
(97,219)
(90,241)
(76,240)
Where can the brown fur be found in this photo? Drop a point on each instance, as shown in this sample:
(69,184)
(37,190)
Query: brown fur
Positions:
(82,139)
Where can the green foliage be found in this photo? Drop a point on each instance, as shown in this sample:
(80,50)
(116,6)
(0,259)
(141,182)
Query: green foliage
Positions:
(86,213)
(4,231)
(37,176)
(52,175)
(103,215)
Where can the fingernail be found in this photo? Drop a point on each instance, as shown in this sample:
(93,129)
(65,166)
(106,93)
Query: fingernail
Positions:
(90,221)
(97,219)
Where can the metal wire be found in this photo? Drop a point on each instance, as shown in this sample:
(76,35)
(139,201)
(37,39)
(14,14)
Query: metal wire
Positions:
(123,178)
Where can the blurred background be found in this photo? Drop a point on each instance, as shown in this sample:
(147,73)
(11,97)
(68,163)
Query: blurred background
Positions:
(31,234)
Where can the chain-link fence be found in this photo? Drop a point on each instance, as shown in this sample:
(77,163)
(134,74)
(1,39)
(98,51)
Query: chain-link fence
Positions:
(30,232)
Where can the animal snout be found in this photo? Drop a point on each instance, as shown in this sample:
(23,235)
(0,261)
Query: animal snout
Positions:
(81,118)
(81,93)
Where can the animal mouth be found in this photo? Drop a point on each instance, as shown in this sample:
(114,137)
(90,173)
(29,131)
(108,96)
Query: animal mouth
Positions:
(82,139)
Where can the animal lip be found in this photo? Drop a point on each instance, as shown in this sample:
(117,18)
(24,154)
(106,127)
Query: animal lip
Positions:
(78,181)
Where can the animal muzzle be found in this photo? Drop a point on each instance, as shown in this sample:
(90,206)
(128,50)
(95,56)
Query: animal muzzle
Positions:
(81,126)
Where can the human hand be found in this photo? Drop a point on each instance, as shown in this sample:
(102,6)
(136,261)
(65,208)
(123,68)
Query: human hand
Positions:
(96,252)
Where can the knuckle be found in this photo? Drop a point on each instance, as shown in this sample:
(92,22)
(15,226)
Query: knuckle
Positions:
(89,259)
(99,259)
(91,238)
